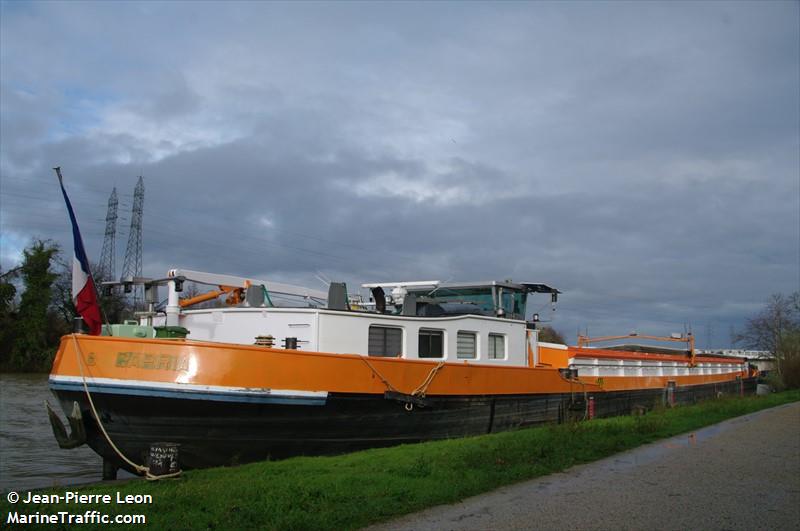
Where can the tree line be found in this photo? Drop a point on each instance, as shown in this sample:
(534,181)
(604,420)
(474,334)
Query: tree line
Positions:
(36,308)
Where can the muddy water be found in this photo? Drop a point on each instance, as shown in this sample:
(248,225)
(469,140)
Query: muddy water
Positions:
(29,454)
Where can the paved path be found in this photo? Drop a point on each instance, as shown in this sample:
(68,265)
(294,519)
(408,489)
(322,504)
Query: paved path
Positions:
(743,473)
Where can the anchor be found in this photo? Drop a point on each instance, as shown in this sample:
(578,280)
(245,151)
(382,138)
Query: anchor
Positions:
(77,434)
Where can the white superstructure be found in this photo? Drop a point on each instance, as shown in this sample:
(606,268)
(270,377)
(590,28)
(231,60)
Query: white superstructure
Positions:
(469,323)
(482,339)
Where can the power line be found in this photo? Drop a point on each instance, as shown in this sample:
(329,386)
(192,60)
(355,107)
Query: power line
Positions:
(166,219)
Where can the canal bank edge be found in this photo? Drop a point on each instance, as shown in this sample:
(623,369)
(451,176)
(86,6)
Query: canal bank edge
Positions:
(354,490)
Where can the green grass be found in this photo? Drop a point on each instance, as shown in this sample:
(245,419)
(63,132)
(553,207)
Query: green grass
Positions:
(354,490)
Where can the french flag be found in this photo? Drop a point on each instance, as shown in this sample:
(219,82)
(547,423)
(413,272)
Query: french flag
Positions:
(84,294)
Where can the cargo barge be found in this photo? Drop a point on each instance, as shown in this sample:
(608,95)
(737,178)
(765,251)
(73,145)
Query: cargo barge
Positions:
(280,371)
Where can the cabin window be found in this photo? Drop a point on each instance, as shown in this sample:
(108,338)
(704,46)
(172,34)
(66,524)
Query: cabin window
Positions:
(385,341)
(431,344)
(465,345)
(497,346)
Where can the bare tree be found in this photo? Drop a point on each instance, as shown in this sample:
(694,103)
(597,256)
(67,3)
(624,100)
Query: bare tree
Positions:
(769,329)
(549,334)
(777,329)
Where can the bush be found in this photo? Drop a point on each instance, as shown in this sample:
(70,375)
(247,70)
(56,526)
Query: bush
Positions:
(775,381)
(789,359)
(31,350)
(790,372)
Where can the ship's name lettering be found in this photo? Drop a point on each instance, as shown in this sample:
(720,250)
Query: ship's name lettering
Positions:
(160,362)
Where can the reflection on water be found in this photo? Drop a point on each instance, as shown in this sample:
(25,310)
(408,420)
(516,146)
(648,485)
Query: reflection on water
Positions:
(29,454)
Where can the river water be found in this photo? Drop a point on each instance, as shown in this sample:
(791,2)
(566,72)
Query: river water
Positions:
(29,455)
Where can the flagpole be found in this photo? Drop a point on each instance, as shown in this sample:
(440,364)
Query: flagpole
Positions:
(57,169)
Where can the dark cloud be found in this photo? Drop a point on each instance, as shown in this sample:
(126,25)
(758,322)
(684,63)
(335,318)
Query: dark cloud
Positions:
(641,157)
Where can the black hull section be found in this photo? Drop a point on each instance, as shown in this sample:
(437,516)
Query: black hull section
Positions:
(215,433)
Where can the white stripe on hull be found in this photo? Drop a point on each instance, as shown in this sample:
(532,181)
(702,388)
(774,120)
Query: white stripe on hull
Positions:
(255,391)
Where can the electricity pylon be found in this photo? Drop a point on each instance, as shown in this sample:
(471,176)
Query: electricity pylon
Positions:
(133,254)
(108,263)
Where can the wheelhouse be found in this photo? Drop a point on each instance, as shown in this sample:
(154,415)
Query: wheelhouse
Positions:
(503,299)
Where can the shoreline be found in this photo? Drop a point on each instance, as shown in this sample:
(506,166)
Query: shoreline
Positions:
(351,491)
(712,466)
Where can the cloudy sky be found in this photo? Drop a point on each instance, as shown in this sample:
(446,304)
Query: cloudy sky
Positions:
(642,157)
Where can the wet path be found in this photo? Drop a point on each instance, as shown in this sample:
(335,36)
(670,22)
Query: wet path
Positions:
(743,473)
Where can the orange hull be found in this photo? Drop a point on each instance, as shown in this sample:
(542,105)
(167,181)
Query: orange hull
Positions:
(186,362)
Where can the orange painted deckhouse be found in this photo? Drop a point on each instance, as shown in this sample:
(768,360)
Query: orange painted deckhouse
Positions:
(283,370)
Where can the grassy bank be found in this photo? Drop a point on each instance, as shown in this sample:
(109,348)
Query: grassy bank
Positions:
(354,490)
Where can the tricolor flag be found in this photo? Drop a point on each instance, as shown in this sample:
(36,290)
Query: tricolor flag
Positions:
(84,294)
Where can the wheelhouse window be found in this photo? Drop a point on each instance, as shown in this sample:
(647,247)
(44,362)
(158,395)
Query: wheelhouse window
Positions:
(385,341)
(466,343)
(497,346)
(513,303)
(431,344)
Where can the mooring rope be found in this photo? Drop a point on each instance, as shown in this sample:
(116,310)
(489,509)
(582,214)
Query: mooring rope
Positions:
(419,392)
(141,469)
(378,374)
(423,387)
